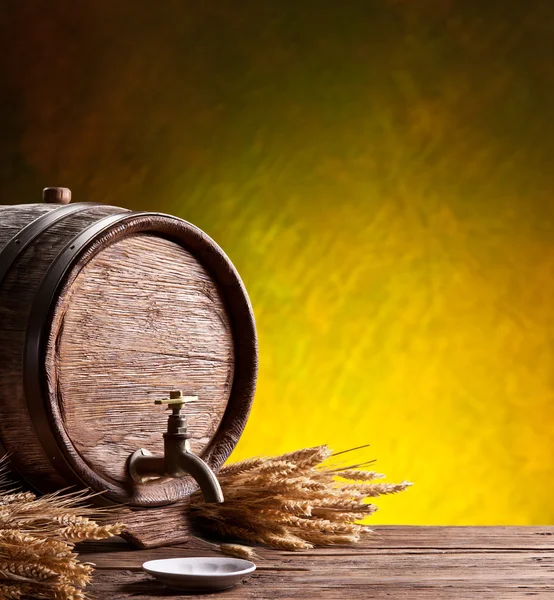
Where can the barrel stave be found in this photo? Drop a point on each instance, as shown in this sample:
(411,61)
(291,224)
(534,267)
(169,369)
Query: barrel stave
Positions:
(17,294)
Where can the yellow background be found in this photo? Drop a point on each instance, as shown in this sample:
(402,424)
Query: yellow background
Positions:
(380,172)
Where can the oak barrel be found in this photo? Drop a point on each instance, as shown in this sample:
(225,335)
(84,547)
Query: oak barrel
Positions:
(102,311)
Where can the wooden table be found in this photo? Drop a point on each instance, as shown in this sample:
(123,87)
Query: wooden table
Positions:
(394,563)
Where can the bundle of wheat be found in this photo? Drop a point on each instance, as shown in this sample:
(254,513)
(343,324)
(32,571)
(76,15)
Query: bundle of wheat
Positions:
(37,537)
(292,501)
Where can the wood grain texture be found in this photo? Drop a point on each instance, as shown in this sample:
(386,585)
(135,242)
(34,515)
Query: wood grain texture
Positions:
(245,365)
(142,317)
(411,563)
(16,298)
(14,218)
(155,527)
(149,304)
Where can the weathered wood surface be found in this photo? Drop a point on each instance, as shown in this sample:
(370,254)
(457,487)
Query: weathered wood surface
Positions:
(17,295)
(142,317)
(147,303)
(411,563)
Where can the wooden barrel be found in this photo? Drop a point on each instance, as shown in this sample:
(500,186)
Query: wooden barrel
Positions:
(102,311)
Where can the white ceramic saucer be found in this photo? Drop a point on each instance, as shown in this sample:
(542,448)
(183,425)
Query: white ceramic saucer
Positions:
(199,574)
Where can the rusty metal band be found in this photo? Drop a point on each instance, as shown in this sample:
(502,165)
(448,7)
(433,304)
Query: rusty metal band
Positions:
(35,346)
(20,241)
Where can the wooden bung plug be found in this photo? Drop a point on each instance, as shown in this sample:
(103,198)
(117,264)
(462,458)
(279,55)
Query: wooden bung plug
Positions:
(56,195)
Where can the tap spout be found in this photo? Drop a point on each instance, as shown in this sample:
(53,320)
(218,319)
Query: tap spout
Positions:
(178,462)
(204,476)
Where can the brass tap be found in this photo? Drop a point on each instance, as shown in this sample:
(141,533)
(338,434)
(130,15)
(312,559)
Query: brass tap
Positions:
(177,461)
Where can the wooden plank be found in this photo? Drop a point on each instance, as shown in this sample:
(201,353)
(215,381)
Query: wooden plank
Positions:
(126,584)
(416,563)
(417,538)
(462,537)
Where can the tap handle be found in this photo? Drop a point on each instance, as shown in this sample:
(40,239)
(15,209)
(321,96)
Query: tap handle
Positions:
(176,400)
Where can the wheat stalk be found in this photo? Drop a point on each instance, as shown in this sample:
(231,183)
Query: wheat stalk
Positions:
(293,501)
(355,475)
(13,591)
(37,536)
